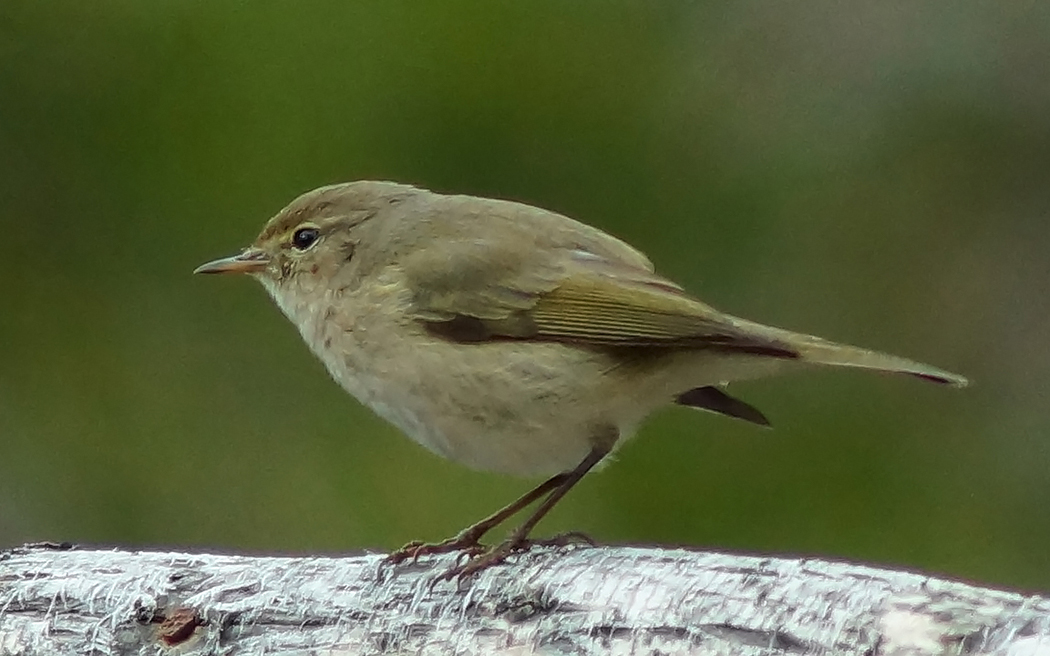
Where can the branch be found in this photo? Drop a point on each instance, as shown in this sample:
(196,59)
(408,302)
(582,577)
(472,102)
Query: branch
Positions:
(550,601)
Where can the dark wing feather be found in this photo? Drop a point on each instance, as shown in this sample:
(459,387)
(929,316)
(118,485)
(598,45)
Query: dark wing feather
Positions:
(620,311)
(481,289)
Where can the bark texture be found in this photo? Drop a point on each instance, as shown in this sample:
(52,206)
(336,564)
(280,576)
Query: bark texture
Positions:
(571,601)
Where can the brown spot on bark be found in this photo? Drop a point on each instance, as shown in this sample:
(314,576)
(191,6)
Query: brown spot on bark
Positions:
(179,626)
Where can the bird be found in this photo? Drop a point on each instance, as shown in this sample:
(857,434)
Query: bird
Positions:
(510,338)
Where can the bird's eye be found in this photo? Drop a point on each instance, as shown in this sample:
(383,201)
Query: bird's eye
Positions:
(304,238)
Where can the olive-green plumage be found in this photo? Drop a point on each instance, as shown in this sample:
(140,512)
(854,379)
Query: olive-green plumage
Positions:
(450,315)
(508,337)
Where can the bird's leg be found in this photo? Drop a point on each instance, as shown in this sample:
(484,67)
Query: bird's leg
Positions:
(468,538)
(518,540)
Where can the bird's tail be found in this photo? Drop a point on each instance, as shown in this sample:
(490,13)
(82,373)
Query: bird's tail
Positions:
(807,348)
(820,351)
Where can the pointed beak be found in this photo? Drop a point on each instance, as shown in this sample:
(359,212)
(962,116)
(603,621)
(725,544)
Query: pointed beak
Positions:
(251,260)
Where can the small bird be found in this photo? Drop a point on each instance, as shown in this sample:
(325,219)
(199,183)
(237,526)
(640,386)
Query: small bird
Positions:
(509,338)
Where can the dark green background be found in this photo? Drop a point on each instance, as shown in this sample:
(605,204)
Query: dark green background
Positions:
(877,173)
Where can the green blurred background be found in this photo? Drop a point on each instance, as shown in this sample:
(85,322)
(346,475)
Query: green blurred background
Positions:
(877,173)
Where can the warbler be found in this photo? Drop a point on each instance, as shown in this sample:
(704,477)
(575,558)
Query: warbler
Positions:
(507,337)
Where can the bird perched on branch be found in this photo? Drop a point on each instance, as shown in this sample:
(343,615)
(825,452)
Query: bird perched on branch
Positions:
(507,337)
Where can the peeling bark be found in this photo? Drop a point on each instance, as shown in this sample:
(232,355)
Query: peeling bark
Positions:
(551,601)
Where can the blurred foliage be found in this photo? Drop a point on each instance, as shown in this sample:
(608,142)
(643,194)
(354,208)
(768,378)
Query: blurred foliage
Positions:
(872,173)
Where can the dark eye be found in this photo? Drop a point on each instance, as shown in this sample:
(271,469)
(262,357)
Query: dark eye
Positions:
(305,237)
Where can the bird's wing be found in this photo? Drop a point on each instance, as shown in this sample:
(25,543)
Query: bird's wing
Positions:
(479,290)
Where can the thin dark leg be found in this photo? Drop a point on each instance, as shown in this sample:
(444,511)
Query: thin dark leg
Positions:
(518,540)
(469,537)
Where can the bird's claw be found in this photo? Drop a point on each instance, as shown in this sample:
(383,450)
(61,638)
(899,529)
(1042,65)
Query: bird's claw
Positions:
(466,543)
(484,560)
(480,559)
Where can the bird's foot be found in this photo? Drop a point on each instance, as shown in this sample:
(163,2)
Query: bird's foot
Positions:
(483,559)
(467,542)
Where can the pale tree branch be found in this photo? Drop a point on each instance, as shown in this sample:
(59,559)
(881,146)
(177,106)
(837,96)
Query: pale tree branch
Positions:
(552,601)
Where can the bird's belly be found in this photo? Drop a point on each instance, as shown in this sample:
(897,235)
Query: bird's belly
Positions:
(528,410)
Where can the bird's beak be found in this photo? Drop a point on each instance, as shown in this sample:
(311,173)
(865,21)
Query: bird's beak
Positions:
(252,260)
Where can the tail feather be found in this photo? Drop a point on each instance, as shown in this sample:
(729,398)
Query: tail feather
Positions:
(752,337)
(824,352)
(714,399)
